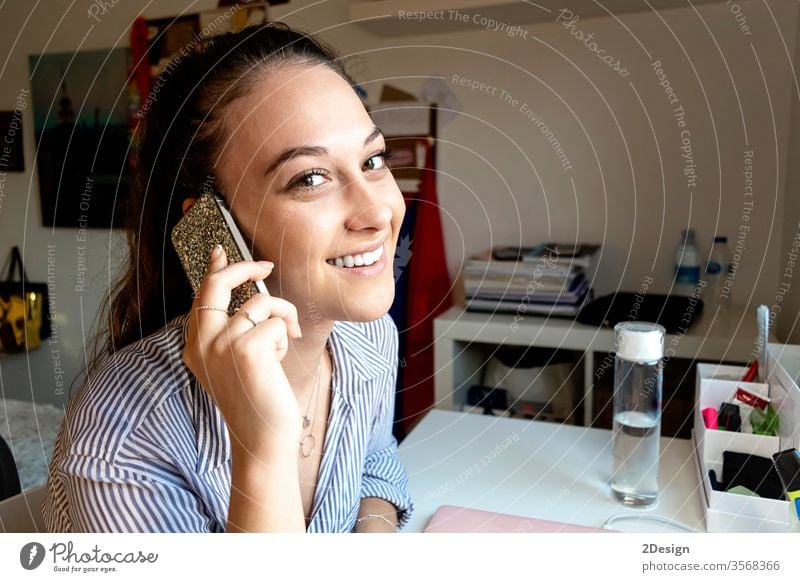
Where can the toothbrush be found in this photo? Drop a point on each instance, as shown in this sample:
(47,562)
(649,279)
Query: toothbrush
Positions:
(762,323)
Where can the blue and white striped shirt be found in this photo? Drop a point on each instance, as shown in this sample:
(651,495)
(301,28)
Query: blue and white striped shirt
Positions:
(143,448)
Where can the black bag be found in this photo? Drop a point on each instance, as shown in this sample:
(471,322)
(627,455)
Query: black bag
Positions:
(23,309)
(675,312)
(9,476)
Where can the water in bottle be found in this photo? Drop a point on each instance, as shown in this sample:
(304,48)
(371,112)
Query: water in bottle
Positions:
(638,374)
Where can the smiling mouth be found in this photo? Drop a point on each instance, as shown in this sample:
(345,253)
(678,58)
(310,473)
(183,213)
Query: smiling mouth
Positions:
(360,260)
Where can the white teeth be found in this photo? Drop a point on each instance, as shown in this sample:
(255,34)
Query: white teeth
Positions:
(362,260)
(369,258)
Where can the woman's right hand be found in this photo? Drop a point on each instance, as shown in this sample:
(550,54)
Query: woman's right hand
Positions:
(239,363)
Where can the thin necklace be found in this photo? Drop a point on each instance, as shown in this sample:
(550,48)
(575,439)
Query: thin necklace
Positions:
(309,441)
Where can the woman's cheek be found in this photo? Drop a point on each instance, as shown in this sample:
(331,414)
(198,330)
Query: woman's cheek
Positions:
(398,206)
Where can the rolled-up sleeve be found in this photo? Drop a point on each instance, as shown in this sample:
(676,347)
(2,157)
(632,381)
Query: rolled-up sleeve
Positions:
(100,497)
(384,475)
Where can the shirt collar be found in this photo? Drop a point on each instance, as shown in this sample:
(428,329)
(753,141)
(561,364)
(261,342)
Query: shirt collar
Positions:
(352,347)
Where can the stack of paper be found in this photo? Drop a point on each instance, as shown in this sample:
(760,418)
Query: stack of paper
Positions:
(550,278)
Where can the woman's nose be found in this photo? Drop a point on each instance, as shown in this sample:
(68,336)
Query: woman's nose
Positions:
(369,205)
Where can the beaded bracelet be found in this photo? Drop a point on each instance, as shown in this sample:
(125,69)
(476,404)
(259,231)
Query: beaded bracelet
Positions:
(360,519)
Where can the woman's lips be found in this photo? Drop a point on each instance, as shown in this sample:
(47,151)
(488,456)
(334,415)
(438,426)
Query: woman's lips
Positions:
(364,271)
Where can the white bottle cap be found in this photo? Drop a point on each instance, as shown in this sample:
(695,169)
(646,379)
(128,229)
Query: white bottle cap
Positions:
(639,341)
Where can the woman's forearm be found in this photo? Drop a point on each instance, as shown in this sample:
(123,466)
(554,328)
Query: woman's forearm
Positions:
(376,506)
(265,492)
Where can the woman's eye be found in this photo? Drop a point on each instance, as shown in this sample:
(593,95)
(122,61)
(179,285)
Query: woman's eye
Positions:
(310,180)
(316,177)
(381,158)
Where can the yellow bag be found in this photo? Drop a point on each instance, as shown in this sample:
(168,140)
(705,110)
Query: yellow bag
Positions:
(21,310)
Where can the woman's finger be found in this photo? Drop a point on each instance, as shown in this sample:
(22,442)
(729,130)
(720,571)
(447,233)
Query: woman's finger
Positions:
(261,307)
(203,314)
(215,291)
(270,334)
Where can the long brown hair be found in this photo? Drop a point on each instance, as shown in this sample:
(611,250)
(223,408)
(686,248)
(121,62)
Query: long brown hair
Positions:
(184,128)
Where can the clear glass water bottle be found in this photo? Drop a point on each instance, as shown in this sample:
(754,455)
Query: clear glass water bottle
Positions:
(638,374)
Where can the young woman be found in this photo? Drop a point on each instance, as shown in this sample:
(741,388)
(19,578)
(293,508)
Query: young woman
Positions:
(277,418)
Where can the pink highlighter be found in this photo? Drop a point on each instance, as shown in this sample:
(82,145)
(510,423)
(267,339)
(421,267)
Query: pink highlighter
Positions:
(710,418)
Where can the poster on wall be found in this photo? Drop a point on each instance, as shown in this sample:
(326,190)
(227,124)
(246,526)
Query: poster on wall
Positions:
(81,108)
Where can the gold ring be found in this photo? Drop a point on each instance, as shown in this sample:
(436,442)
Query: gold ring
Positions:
(250,319)
(212,308)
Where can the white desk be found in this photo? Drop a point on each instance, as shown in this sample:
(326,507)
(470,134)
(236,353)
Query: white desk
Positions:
(551,471)
(724,336)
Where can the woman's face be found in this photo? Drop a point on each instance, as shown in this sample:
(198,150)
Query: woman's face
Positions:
(306,181)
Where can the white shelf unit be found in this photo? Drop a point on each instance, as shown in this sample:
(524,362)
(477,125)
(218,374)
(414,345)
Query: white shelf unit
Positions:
(383,17)
(724,336)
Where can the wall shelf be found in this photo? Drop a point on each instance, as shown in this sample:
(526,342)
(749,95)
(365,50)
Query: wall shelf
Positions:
(388,17)
(728,336)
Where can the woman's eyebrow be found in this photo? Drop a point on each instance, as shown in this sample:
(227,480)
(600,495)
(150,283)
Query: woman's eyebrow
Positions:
(312,151)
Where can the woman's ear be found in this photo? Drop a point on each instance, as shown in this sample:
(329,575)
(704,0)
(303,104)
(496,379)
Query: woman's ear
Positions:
(188,202)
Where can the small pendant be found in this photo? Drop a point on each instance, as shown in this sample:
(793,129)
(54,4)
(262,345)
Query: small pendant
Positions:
(306,422)
(307,445)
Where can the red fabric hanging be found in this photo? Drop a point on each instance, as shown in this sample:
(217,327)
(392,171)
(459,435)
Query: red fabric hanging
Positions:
(139,85)
(139,58)
(428,297)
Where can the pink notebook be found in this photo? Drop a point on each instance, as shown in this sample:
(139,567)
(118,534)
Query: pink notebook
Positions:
(451,519)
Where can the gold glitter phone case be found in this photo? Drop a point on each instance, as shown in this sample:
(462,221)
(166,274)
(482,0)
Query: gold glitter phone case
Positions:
(205,224)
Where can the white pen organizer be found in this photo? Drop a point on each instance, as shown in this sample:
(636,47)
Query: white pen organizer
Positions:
(735,512)
(783,372)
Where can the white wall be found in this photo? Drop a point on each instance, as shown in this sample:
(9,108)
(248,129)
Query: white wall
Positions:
(621,196)
(57,26)
(788,309)
(501,182)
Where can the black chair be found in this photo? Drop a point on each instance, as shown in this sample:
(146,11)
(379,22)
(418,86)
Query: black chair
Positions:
(9,476)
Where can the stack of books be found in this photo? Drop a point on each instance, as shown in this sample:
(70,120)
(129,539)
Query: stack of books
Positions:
(550,278)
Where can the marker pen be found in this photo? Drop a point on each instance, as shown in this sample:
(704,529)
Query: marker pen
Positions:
(787,464)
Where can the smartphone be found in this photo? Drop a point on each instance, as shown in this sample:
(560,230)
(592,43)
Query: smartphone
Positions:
(207,223)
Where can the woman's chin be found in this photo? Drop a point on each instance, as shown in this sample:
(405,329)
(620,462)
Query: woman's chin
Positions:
(367,308)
